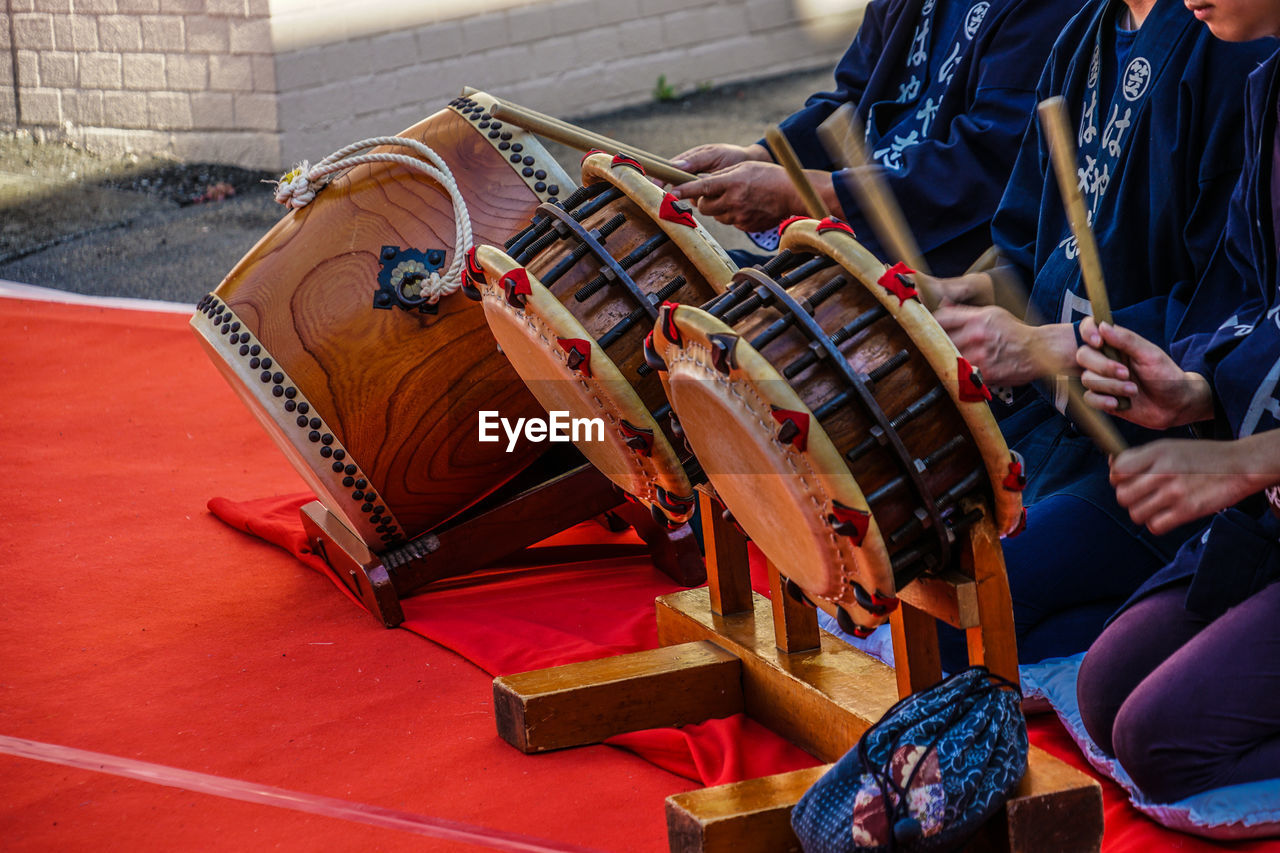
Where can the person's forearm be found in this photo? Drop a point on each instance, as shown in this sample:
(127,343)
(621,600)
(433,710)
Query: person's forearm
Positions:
(1257,460)
(1054,349)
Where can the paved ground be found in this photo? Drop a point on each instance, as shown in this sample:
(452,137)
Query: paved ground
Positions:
(163,230)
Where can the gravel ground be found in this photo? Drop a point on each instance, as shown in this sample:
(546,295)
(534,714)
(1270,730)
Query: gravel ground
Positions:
(158,229)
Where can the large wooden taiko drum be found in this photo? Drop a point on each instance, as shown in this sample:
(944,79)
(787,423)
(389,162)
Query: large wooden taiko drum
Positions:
(836,421)
(571,300)
(374,398)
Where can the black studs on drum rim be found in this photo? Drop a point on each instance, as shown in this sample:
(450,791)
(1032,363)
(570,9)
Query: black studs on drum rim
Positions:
(291,400)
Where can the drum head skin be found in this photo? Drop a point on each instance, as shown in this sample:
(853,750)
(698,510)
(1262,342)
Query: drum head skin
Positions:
(782,482)
(566,370)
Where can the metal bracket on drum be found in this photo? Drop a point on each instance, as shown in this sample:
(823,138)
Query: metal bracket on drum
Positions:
(613,271)
(413,266)
(805,322)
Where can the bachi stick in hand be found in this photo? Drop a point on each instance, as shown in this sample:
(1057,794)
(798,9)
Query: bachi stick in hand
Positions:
(1053,117)
(584,140)
(786,156)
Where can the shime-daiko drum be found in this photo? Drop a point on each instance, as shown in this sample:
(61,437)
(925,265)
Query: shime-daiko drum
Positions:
(571,301)
(837,421)
(327,331)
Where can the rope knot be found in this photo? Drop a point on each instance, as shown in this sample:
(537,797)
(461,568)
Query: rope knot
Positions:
(294,189)
(298,187)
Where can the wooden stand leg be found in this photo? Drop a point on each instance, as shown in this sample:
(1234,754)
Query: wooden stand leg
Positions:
(728,567)
(821,700)
(916,659)
(354,564)
(795,624)
(993,641)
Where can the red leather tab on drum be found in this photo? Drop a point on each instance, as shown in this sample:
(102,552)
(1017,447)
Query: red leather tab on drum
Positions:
(1016,480)
(850,522)
(578,354)
(651,356)
(782,226)
(1021,526)
(666,322)
(516,284)
(724,352)
(630,162)
(893,282)
(972,388)
(794,428)
(475,272)
(592,151)
(638,439)
(830,223)
(673,210)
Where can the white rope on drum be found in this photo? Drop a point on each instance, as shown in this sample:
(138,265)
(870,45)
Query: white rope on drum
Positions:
(297,188)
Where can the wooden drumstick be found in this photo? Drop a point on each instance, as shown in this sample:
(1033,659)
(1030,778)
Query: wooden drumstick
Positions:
(1053,118)
(1093,423)
(786,157)
(842,135)
(584,140)
(985,262)
(612,145)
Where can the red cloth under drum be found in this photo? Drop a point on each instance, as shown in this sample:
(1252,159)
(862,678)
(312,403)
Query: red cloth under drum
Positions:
(139,625)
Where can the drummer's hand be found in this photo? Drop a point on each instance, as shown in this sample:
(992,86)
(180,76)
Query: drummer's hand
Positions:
(1167,483)
(750,196)
(717,156)
(1161,394)
(972,289)
(1006,350)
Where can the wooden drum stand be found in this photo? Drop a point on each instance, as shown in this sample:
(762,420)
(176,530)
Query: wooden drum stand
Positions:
(537,504)
(727,650)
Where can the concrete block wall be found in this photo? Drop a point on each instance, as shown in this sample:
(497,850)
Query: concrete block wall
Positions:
(568,58)
(191,78)
(264,83)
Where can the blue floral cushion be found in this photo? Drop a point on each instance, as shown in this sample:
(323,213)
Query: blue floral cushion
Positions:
(1234,812)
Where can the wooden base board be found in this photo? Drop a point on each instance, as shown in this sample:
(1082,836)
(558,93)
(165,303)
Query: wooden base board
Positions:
(713,665)
(583,703)
(823,700)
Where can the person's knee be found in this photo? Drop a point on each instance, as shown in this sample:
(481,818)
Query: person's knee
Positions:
(1098,696)
(1150,739)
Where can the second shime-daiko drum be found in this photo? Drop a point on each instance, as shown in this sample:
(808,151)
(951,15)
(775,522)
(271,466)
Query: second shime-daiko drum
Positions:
(571,300)
(372,392)
(836,421)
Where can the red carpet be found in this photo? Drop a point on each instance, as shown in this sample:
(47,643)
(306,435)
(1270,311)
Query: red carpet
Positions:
(140,626)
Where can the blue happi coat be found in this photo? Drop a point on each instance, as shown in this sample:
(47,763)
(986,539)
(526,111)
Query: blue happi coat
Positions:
(1239,553)
(1159,152)
(945,89)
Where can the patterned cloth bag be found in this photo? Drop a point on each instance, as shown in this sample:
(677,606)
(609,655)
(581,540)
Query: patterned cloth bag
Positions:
(926,776)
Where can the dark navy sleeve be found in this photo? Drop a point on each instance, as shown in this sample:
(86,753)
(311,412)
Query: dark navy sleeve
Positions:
(851,77)
(1214,241)
(1015,226)
(949,184)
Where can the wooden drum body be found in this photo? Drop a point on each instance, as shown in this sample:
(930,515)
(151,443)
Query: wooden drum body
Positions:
(376,403)
(837,421)
(572,302)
